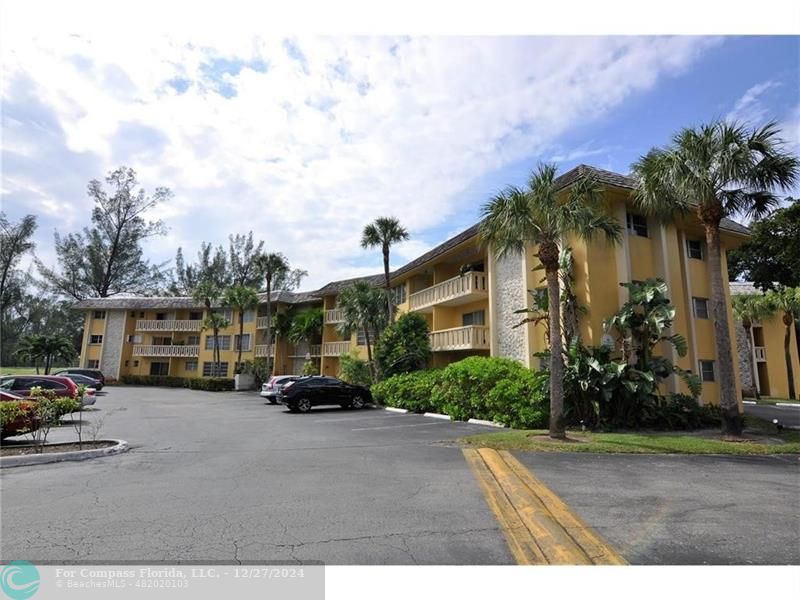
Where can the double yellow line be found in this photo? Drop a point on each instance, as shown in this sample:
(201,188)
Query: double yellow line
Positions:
(539,528)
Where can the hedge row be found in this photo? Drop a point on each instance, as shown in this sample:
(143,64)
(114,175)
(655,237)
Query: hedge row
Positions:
(495,389)
(208,384)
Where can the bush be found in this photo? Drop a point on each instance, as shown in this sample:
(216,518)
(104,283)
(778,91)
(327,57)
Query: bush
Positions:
(17,417)
(355,370)
(208,384)
(495,389)
(403,346)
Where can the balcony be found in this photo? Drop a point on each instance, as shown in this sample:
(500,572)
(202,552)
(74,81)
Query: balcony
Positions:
(461,289)
(167,351)
(335,348)
(261,350)
(261,323)
(168,325)
(471,337)
(302,349)
(760,353)
(335,315)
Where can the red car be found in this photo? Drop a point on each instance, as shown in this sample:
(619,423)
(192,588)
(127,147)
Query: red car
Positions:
(21,384)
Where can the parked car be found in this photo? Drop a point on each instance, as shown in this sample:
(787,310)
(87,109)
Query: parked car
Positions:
(272,388)
(93,373)
(22,384)
(85,380)
(305,392)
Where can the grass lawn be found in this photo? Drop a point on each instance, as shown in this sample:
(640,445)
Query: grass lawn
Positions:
(20,371)
(761,439)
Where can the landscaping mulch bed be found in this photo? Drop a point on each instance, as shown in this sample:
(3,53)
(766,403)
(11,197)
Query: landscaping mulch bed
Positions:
(52,448)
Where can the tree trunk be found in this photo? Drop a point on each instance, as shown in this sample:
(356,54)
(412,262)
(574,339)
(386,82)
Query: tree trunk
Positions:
(216,352)
(556,357)
(787,351)
(369,352)
(270,367)
(388,282)
(729,405)
(241,337)
(748,331)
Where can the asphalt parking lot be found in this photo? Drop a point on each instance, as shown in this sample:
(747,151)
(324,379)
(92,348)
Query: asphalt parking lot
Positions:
(224,477)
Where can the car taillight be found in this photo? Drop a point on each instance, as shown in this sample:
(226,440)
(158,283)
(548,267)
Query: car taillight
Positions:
(90,391)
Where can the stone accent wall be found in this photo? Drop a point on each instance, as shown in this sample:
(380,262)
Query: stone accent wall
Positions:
(112,343)
(745,361)
(509,295)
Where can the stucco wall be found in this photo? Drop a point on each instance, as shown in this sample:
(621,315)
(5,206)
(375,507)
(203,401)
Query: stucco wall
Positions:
(112,343)
(509,296)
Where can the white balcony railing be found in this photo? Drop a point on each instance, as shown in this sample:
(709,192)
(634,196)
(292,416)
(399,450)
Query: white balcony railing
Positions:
(261,323)
(335,348)
(302,349)
(471,337)
(168,325)
(457,290)
(166,351)
(261,351)
(334,315)
(760,353)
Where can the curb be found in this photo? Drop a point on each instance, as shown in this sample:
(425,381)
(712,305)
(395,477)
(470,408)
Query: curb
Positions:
(396,410)
(437,416)
(792,404)
(749,402)
(484,422)
(42,459)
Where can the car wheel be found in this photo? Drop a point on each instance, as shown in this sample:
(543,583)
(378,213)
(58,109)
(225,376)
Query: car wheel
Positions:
(304,405)
(357,402)
(292,406)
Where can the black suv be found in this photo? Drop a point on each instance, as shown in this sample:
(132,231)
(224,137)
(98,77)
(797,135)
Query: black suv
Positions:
(93,373)
(301,395)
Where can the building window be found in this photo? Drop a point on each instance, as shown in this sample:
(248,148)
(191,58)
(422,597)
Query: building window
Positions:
(95,339)
(694,248)
(209,369)
(636,224)
(191,365)
(473,318)
(707,370)
(700,307)
(136,363)
(127,362)
(92,364)
(192,340)
(159,368)
(361,339)
(224,342)
(245,342)
(398,294)
(248,316)
(133,313)
(196,315)
(227,314)
(135,339)
(141,314)
(162,340)
(99,314)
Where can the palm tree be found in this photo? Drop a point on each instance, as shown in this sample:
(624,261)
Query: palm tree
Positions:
(46,347)
(383,232)
(278,275)
(787,301)
(540,216)
(717,170)
(306,327)
(749,308)
(208,293)
(240,299)
(282,324)
(362,308)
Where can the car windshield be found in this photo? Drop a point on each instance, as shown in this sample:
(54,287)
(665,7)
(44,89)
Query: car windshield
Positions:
(6,384)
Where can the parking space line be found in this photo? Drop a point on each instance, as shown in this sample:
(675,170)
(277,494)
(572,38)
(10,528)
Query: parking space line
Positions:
(516,496)
(399,426)
(344,419)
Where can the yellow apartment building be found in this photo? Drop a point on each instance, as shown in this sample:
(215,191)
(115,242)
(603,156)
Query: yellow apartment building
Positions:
(466,294)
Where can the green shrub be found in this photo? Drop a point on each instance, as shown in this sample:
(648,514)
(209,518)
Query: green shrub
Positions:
(403,346)
(495,389)
(208,384)
(355,370)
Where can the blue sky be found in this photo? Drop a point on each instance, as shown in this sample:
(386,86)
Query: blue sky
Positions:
(304,140)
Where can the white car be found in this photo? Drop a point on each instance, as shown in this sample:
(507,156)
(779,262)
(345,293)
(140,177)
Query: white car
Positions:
(273,387)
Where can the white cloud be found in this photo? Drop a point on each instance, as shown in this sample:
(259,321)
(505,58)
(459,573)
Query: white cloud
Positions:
(750,108)
(305,153)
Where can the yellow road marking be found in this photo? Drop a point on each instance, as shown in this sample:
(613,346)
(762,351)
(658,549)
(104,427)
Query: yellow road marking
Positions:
(539,527)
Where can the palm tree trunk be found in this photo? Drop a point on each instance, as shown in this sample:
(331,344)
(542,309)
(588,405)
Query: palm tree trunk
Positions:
(216,352)
(731,419)
(748,332)
(241,337)
(388,282)
(556,357)
(270,367)
(369,352)
(787,351)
